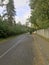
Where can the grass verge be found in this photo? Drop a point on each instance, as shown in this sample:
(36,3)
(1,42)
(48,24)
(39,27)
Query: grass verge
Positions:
(5,39)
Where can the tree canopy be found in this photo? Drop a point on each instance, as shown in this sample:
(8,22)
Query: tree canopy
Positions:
(10,11)
(40,13)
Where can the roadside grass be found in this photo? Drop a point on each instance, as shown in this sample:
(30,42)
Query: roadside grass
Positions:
(5,39)
(8,38)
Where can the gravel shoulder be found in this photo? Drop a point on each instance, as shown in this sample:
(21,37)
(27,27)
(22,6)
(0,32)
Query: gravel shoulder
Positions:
(42,53)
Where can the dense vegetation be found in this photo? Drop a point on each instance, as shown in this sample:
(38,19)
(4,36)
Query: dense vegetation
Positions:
(39,13)
(6,30)
(8,26)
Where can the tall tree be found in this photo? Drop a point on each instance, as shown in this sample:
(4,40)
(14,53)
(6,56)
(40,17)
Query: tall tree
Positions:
(40,12)
(10,11)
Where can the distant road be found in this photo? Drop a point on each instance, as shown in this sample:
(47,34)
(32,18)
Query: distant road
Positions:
(17,51)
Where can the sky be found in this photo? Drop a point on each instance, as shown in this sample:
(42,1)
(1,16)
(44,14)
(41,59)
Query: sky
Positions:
(22,10)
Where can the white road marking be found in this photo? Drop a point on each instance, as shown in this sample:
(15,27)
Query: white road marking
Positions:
(11,48)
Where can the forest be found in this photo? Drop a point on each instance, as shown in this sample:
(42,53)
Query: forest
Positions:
(8,26)
(39,18)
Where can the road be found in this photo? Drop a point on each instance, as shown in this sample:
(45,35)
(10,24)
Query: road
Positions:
(17,51)
(24,50)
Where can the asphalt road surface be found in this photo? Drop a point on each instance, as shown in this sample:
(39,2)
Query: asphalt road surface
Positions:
(24,50)
(17,51)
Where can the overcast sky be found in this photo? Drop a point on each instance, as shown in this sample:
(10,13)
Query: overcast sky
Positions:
(22,10)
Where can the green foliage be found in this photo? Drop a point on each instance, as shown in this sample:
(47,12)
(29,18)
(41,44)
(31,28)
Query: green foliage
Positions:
(31,30)
(7,30)
(10,11)
(8,27)
(40,13)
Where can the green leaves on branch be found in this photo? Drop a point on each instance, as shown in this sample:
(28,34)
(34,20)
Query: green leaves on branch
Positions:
(40,13)
(6,30)
(9,11)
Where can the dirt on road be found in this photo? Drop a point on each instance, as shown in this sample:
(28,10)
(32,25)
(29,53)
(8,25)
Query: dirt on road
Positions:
(42,51)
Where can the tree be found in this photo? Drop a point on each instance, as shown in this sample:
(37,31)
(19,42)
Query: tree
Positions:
(40,13)
(10,11)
